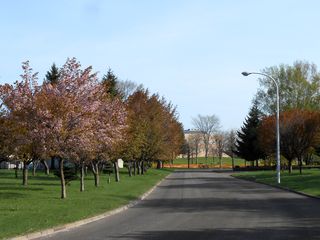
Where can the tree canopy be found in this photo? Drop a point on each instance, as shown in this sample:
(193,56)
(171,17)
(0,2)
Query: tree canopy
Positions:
(154,132)
(298,87)
(299,133)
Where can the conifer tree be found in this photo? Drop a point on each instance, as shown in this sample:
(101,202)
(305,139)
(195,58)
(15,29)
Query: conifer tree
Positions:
(52,75)
(110,82)
(247,145)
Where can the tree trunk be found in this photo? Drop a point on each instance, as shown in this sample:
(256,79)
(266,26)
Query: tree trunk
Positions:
(81,176)
(34,167)
(290,166)
(188,157)
(196,156)
(139,167)
(232,159)
(142,167)
(95,171)
(116,171)
(16,169)
(109,178)
(53,167)
(130,168)
(300,164)
(159,164)
(220,161)
(130,171)
(206,153)
(146,166)
(257,163)
(134,168)
(96,180)
(46,167)
(62,180)
(25,173)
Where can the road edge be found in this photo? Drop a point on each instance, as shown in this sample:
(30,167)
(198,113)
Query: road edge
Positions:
(82,222)
(279,187)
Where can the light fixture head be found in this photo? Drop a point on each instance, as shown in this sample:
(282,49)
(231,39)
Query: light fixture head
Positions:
(245,74)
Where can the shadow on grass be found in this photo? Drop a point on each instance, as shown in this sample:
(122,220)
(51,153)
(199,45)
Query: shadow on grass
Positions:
(309,181)
(20,188)
(44,178)
(166,170)
(122,197)
(11,195)
(45,184)
(11,176)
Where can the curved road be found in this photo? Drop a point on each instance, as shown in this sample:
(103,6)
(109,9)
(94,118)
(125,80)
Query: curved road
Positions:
(201,204)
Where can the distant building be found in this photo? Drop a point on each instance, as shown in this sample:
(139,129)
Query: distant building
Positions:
(193,136)
(10,165)
(194,139)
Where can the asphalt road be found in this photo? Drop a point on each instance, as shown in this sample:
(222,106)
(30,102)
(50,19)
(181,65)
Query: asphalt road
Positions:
(200,204)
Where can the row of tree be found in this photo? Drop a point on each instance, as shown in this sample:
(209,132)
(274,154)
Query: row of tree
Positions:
(299,117)
(73,117)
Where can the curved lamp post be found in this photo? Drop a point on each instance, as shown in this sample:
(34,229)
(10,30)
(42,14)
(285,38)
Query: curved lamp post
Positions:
(277,119)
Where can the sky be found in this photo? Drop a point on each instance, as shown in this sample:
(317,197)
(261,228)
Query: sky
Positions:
(192,52)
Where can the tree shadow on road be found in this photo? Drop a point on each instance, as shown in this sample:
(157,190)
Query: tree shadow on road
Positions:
(286,233)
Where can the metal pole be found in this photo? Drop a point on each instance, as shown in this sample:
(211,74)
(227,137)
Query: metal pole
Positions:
(277,120)
(278,135)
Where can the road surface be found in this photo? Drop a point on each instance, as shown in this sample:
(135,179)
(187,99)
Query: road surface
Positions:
(201,204)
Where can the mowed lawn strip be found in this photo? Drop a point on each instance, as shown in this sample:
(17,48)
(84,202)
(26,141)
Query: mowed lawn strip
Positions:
(307,182)
(215,161)
(38,205)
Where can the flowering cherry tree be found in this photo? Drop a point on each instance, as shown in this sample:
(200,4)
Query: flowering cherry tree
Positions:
(82,119)
(19,105)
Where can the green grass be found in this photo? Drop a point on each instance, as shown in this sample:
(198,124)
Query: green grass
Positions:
(308,182)
(38,205)
(216,161)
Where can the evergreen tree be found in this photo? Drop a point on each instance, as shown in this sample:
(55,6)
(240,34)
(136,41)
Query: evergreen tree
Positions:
(52,75)
(110,82)
(69,172)
(247,145)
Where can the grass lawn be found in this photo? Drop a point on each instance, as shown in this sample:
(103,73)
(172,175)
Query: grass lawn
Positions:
(38,205)
(216,161)
(308,182)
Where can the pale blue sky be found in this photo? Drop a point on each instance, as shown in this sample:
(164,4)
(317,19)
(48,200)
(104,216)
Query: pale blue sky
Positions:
(191,52)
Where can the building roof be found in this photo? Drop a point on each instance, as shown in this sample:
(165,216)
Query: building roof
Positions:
(191,131)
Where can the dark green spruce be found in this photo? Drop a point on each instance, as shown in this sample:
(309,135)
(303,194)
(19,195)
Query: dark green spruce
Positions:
(52,75)
(247,145)
(110,83)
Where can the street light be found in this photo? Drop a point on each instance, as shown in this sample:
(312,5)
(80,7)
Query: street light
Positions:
(277,119)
